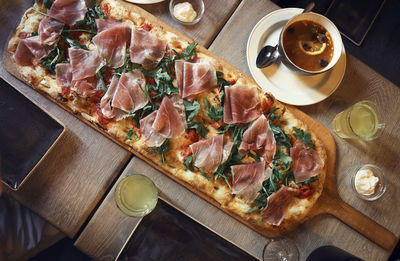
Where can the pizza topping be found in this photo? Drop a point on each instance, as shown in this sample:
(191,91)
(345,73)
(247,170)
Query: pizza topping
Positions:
(150,136)
(111,42)
(105,24)
(278,204)
(68,11)
(84,63)
(247,179)
(30,51)
(49,30)
(194,78)
(85,87)
(146,49)
(124,96)
(64,74)
(168,121)
(240,105)
(259,138)
(208,153)
(306,161)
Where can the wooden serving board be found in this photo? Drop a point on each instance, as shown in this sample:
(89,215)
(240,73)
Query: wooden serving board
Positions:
(329,202)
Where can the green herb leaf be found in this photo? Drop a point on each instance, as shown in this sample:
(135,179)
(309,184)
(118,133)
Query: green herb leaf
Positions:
(101,85)
(34,34)
(310,180)
(251,209)
(162,150)
(57,55)
(303,136)
(271,114)
(257,158)
(132,135)
(47,3)
(191,109)
(214,114)
(187,54)
(163,83)
(280,136)
(74,43)
(188,162)
(199,127)
(204,174)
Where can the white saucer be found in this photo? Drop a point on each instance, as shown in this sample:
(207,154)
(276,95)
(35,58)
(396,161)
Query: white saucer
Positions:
(287,86)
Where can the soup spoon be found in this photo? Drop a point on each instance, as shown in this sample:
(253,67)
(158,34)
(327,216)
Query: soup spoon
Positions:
(269,54)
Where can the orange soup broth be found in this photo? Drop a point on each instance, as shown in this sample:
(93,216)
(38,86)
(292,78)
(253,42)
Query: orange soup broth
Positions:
(305,32)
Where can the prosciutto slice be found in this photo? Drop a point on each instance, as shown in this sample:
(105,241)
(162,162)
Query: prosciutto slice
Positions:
(208,153)
(247,179)
(168,121)
(30,51)
(68,11)
(194,78)
(85,87)
(152,138)
(84,63)
(49,30)
(104,24)
(111,42)
(64,74)
(241,104)
(278,204)
(259,138)
(306,162)
(124,96)
(146,49)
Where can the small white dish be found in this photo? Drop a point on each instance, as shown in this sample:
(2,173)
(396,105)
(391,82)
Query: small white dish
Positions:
(198,6)
(287,86)
(380,187)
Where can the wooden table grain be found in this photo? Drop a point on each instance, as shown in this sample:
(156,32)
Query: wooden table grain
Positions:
(215,16)
(71,180)
(360,82)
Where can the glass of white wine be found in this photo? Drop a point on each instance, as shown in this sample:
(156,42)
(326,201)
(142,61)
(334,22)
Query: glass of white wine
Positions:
(363,121)
(136,195)
(281,249)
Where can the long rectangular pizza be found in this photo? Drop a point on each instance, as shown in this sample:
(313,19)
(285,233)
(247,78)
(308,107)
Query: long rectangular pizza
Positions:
(175,104)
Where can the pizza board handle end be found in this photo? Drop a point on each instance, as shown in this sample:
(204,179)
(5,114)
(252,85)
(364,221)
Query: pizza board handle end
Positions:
(363,224)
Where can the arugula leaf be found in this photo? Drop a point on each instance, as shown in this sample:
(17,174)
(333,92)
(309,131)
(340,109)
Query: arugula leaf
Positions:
(90,19)
(199,127)
(254,156)
(74,43)
(34,34)
(187,54)
(284,159)
(188,162)
(101,85)
(163,83)
(271,114)
(310,180)
(303,136)
(191,109)
(161,150)
(47,3)
(280,136)
(57,55)
(132,135)
(288,178)
(214,114)
(204,174)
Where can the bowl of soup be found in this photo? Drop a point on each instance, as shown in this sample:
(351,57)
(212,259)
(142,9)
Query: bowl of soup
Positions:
(310,43)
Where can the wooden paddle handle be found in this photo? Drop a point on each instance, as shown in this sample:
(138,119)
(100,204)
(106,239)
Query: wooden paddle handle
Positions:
(364,225)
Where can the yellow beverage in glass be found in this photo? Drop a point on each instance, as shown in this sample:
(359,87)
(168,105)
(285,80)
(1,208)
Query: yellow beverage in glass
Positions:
(136,195)
(360,121)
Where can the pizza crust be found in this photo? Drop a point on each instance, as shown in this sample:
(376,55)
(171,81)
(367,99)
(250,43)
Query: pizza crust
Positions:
(216,192)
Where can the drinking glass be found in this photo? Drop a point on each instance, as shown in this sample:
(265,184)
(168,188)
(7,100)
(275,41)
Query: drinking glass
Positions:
(136,195)
(362,120)
(282,249)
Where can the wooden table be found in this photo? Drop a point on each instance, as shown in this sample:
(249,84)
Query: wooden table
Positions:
(360,82)
(108,229)
(72,180)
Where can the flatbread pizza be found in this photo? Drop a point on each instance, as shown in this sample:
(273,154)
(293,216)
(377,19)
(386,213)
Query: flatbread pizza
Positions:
(175,104)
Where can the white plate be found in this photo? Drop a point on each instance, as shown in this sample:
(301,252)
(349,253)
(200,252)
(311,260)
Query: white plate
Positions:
(286,85)
(144,1)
